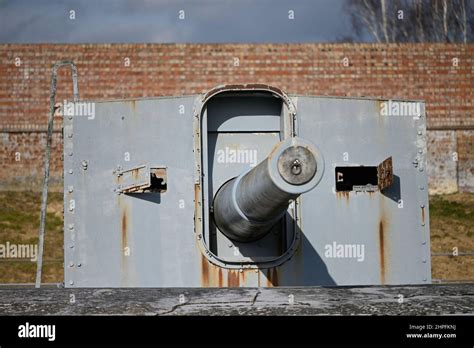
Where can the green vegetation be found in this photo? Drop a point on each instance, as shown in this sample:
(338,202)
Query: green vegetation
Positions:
(451,222)
(19,224)
(452,226)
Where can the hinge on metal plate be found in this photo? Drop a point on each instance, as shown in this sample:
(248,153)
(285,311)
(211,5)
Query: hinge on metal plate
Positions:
(385,174)
(142,178)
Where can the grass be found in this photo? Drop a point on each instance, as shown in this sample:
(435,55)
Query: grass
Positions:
(451,220)
(19,224)
(452,226)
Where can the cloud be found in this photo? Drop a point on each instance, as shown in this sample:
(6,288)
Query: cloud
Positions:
(126,21)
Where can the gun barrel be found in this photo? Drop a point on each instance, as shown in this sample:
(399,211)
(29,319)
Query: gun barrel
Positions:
(248,206)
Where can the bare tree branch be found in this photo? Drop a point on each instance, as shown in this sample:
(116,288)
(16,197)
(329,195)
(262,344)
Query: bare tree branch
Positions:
(384,20)
(422,21)
(445,20)
(419,25)
(373,28)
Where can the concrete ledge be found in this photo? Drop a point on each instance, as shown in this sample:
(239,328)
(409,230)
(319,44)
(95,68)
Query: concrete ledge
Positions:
(371,300)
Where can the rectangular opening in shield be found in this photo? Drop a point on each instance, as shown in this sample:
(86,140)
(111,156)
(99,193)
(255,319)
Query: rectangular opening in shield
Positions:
(364,178)
(358,178)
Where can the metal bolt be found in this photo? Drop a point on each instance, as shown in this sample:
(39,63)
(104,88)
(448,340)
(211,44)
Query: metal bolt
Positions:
(70,171)
(423,243)
(69,135)
(71,226)
(296,167)
(71,264)
(199,236)
(421,169)
(84,164)
(70,189)
(424,260)
(71,246)
(71,282)
(420,133)
(79,264)
(420,151)
(422,206)
(422,188)
(70,153)
(241,270)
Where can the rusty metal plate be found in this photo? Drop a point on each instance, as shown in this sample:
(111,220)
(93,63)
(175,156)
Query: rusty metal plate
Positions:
(134,179)
(151,239)
(131,239)
(364,237)
(385,174)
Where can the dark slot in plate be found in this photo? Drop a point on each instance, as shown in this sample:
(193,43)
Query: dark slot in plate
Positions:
(364,178)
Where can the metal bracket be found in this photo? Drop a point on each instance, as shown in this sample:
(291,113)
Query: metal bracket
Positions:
(385,174)
(142,178)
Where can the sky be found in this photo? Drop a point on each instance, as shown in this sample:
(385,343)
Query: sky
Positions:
(157,21)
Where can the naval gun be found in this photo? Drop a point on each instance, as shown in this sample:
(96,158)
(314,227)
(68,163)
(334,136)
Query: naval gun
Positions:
(245,186)
(246,207)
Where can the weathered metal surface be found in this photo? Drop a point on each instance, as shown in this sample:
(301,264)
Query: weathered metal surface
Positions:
(250,87)
(391,224)
(134,179)
(387,300)
(167,239)
(134,239)
(385,174)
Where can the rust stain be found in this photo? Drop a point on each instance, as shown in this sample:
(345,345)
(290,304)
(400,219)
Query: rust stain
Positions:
(211,275)
(343,194)
(124,240)
(382,251)
(384,241)
(215,276)
(124,228)
(220,278)
(272,277)
(275,277)
(197,192)
(134,105)
(204,271)
(423,215)
(233,278)
(135,173)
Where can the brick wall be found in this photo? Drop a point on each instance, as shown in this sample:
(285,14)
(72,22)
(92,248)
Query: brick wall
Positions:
(440,74)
